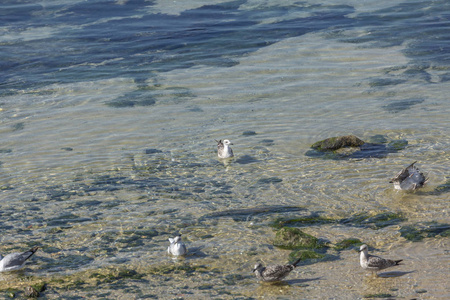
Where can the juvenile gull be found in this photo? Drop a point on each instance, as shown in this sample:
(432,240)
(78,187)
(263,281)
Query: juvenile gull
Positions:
(15,261)
(223,149)
(176,247)
(410,178)
(374,263)
(274,272)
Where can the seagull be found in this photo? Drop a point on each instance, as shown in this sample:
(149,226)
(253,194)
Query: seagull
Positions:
(15,261)
(223,150)
(410,178)
(274,272)
(176,247)
(374,263)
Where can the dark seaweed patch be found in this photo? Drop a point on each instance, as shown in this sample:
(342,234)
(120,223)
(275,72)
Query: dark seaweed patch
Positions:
(418,232)
(246,159)
(246,213)
(347,243)
(401,105)
(292,238)
(374,221)
(313,219)
(270,180)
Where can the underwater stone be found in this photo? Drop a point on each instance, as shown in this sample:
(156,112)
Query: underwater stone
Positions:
(121,103)
(31,292)
(377,296)
(397,145)
(248,132)
(293,238)
(378,139)
(246,159)
(40,287)
(335,143)
(270,180)
(398,106)
(152,151)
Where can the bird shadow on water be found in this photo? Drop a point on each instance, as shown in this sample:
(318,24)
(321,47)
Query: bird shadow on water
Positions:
(393,274)
(291,282)
(301,281)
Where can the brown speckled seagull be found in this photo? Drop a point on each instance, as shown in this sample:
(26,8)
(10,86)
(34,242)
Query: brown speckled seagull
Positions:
(375,263)
(275,272)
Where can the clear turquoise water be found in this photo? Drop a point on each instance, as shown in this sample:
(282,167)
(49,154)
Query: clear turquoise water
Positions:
(87,89)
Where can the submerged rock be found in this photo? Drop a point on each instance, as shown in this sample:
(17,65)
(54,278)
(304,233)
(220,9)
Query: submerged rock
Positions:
(400,105)
(31,292)
(350,146)
(245,213)
(335,143)
(293,238)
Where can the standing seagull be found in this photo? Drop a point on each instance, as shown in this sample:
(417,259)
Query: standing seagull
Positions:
(15,261)
(410,178)
(223,150)
(275,272)
(176,247)
(374,263)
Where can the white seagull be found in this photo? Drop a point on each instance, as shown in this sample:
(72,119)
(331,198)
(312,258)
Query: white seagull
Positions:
(15,261)
(223,149)
(176,247)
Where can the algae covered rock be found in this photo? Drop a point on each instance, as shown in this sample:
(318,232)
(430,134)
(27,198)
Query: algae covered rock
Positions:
(335,143)
(350,146)
(293,238)
(31,292)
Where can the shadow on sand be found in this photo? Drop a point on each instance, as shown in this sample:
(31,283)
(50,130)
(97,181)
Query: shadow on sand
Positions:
(393,274)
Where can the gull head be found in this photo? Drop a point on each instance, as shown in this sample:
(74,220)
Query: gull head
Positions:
(227,142)
(363,248)
(257,267)
(177,239)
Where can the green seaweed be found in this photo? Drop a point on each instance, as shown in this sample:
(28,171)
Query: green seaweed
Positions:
(293,238)
(418,232)
(374,221)
(270,180)
(347,243)
(248,132)
(313,219)
(441,189)
(380,295)
(397,145)
(305,255)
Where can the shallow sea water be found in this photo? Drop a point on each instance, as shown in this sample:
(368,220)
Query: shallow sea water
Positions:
(108,116)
